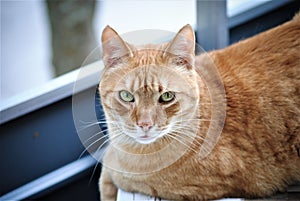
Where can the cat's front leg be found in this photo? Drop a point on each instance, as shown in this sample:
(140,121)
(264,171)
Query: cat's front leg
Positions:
(108,190)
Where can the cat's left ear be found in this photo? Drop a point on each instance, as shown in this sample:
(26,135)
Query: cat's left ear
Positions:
(114,49)
(182,48)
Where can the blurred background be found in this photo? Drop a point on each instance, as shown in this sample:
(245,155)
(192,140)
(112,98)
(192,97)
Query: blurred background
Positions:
(43,42)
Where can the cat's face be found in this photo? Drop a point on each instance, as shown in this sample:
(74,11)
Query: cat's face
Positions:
(148,92)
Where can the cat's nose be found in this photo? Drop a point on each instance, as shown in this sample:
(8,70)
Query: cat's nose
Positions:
(145,125)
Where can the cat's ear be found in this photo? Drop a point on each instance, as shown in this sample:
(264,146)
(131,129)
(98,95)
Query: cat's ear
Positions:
(182,47)
(114,48)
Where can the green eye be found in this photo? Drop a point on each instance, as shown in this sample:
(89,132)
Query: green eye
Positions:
(166,97)
(126,96)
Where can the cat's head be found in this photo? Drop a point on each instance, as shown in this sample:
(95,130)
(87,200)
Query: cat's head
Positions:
(150,92)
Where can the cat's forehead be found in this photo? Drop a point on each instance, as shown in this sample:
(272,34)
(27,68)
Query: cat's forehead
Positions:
(141,76)
(149,69)
(149,54)
(154,77)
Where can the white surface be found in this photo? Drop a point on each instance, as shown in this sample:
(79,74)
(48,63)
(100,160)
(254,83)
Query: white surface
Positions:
(131,15)
(54,90)
(126,196)
(235,7)
(25,53)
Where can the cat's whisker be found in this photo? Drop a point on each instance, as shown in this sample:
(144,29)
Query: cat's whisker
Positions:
(186,133)
(86,122)
(180,141)
(86,148)
(95,123)
(88,126)
(115,122)
(180,123)
(107,140)
(101,155)
(196,143)
(110,139)
(84,127)
(96,134)
(94,142)
(186,128)
(181,128)
(183,134)
(193,136)
(126,126)
(122,126)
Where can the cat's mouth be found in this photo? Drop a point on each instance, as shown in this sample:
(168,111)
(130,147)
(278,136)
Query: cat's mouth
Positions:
(145,139)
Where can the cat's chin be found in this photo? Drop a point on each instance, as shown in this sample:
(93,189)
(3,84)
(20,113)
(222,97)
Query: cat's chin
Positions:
(145,140)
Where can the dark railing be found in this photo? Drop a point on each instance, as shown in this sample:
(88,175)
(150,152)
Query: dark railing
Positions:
(39,145)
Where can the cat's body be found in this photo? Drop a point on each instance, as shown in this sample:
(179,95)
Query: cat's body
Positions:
(257,153)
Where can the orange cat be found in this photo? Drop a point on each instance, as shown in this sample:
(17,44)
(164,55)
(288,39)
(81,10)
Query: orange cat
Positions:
(156,102)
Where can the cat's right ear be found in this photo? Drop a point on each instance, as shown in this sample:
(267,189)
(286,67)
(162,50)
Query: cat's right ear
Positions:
(114,48)
(182,48)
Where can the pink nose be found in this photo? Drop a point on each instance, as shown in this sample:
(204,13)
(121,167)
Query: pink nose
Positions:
(145,125)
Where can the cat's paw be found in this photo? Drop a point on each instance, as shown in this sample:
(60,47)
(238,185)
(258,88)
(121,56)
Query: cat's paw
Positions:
(108,191)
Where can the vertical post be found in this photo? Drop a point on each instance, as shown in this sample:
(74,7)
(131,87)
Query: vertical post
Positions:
(212,29)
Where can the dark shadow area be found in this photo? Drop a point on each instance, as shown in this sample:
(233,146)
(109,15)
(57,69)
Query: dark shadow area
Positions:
(264,22)
(83,189)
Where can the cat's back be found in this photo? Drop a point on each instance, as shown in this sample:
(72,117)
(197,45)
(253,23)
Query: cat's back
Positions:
(269,56)
(265,67)
(261,76)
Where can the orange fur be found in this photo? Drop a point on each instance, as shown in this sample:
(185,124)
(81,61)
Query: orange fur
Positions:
(258,151)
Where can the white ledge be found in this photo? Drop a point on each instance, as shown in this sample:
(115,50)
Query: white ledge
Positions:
(55,90)
(126,196)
